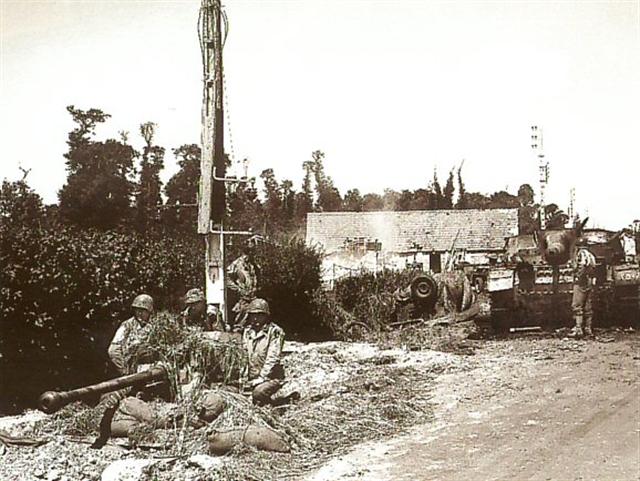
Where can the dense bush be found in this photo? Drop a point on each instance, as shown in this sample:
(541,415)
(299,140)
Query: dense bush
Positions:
(369,297)
(288,277)
(62,293)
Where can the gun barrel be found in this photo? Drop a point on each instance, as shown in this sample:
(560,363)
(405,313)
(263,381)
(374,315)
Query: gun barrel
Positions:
(51,401)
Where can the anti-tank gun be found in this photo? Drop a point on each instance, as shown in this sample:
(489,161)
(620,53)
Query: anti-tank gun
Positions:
(214,355)
(52,401)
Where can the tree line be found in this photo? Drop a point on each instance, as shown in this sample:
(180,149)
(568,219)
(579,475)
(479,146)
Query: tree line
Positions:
(112,185)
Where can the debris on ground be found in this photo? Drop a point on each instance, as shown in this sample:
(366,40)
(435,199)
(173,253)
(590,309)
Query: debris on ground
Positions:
(349,393)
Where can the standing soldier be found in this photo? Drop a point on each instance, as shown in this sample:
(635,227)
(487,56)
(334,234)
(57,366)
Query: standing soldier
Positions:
(583,282)
(198,313)
(242,283)
(263,341)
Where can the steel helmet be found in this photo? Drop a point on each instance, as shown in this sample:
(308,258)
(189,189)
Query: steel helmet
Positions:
(194,295)
(258,306)
(143,301)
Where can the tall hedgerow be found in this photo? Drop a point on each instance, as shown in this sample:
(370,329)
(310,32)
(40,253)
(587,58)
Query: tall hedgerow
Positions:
(289,277)
(63,292)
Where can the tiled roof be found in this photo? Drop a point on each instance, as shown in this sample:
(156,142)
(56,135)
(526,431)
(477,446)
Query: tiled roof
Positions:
(433,230)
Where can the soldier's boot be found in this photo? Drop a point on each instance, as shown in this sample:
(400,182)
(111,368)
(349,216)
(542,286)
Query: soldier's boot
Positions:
(588,320)
(577,330)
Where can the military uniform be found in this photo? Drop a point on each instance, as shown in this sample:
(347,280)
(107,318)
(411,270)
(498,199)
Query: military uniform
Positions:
(242,282)
(128,352)
(583,281)
(263,342)
(126,343)
(264,371)
(209,320)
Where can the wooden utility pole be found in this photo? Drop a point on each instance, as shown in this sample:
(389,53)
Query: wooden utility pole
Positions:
(211,199)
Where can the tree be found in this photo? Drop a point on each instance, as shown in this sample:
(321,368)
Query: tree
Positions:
(288,203)
(304,199)
(273,201)
(390,199)
(421,199)
(503,200)
(99,188)
(352,201)
(328,197)
(372,202)
(148,197)
(462,193)
(555,217)
(405,200)
(525,195)
(245,210)
(19,206)
(447,194)
(437,198)
(182,189)
(476,200)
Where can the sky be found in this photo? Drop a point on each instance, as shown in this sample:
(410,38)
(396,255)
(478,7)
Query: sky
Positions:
(389,90)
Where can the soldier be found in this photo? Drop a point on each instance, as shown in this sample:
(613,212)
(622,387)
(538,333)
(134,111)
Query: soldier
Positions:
(242,283)
(584,264)
(128,337)
(126,409)
(263,341)
(128,350)
(199,313)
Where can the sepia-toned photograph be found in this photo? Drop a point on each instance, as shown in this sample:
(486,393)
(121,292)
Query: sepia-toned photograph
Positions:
(320,240)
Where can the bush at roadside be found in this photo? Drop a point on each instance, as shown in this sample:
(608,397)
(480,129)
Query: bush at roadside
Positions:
(63,292)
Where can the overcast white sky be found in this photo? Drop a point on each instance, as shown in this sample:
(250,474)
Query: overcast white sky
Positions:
(387,89)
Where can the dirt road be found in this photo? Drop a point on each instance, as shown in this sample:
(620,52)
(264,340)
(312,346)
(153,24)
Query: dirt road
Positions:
(525,409)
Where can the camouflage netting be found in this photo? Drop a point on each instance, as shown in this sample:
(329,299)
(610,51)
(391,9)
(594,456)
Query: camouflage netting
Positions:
(185,351)
(345,401)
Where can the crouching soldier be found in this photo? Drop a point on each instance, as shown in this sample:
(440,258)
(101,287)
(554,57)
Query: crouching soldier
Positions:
(129,352)
(198,313)
(126,343)
(263,341)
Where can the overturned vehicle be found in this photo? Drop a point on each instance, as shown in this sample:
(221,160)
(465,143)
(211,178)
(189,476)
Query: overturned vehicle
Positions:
(533,285)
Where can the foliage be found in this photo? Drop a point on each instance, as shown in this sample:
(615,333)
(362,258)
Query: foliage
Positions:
(149,186)
(328,196)
(447,193)
(244,208)
(368,297)
(288,277)
(63,290)
(462,191)
(372,202)
(555,217)
(353,201)
(99,187)
(304,198)
(19,205)
(182,189)
(180,347)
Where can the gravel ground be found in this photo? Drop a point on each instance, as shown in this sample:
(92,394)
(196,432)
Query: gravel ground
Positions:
(329,376)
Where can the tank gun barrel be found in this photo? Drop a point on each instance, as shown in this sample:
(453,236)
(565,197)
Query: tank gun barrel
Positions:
(51,401)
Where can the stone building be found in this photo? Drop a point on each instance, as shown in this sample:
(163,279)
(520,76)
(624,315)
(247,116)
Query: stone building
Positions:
(423,238)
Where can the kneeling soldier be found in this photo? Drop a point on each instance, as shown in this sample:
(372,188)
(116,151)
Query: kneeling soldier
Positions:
(263,341)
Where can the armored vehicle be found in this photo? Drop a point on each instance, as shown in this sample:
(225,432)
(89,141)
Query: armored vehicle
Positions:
(533,283)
